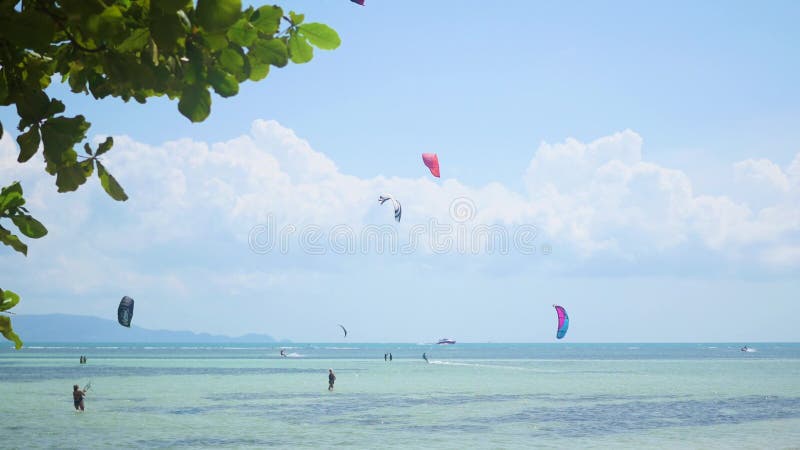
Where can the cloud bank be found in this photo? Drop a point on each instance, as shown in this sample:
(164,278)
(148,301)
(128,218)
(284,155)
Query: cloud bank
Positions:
(598,199)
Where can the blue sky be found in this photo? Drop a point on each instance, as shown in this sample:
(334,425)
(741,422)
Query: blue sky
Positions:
(653,147)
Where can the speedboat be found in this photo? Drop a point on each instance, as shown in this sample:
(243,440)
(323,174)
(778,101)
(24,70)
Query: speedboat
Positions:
(446,341)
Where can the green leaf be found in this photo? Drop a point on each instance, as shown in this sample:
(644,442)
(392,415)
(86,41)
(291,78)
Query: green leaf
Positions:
(8,299)
(87,148)
(242,33)
(224,83)
(320,35)
(70,177)
(33,105)
(296,19)
(107,24)
(195,103)
(105,146)
(11,197)
(137,40)
(60,135)
(28,29)
(110,184)
(215,41)
(166,30)
(232,61)
(215,15)
(270,51)
(299,49)
(77,80)
(154,52)
(1,130)
(29,226)
(8,332)
(88,167)
(267,19)
(6,237)
(55,107)
(258,70)
(28,143)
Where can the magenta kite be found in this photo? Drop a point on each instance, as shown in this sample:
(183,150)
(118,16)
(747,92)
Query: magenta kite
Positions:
(432,161)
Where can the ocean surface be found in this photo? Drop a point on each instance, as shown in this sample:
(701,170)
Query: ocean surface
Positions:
(558,395)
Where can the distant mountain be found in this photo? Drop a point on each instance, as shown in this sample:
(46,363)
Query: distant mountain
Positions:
(69,328)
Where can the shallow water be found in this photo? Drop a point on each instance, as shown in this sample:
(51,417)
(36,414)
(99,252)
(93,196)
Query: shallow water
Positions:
(471,395)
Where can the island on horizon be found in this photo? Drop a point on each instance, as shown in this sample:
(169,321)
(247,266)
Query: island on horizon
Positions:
(88,329)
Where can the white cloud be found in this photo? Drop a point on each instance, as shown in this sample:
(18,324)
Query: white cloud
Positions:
(596,198)
(763,171)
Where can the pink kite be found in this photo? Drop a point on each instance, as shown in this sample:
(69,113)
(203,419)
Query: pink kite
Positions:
(432,161)
(360,2)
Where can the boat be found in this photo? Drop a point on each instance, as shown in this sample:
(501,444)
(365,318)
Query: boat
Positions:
(446,341)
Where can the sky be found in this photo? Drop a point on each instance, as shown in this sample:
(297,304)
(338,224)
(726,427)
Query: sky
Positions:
(635,162)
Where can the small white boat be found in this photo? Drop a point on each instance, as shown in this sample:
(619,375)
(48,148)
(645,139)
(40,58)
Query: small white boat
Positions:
(446,341)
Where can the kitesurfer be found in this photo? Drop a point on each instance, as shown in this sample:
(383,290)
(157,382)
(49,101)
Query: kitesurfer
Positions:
(77,397)
(390,356)
(283,353)
(425,357)
(331,379)
(385,356)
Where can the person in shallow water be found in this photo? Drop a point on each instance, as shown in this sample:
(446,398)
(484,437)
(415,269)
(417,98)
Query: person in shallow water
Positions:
(77,397)
(331,379)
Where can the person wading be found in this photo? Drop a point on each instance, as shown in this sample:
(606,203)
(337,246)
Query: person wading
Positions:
(331,379)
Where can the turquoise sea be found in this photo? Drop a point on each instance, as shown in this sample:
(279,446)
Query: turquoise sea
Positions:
(558,395)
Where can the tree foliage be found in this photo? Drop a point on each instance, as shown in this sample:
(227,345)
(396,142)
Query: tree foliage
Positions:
(12,207)
(133,50)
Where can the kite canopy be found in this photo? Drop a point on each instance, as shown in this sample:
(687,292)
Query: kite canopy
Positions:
(432,161)
(563,321)
(344,329)
(360,2)
(125,311)
(398,210)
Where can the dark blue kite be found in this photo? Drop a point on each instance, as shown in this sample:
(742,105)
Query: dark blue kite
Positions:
(125,311)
